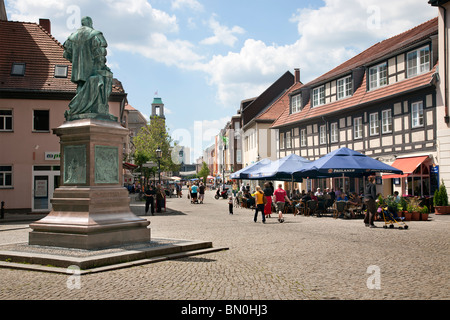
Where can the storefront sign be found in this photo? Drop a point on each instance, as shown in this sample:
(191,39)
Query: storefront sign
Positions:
(52,156)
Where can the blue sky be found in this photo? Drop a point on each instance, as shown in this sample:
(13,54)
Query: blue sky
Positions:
(204,56)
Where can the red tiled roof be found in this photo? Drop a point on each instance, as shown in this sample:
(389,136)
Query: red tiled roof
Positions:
(382,49)
(29,43)
(361,96)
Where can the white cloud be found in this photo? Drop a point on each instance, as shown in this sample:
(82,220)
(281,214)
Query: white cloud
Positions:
(328,36)
(222,34)
(159,48)
(191,4)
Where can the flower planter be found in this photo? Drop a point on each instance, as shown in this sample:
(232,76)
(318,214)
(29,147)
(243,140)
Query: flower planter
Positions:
(424,216)
(442,209)
(407,215)
(415,216)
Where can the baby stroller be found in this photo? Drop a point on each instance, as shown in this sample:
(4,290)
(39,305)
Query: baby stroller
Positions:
(390,218)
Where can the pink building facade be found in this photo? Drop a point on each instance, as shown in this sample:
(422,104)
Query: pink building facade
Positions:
(35,90)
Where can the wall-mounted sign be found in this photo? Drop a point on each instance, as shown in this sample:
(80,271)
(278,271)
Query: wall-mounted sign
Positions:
(52,156)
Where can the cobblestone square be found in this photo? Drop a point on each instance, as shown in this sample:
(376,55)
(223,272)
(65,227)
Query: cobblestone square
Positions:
(302,258)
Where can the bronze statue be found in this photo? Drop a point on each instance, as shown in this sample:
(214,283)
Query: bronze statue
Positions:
(86,49)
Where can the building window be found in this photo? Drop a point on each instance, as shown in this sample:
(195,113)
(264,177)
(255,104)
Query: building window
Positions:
(344,87)
(6,120)
(61,71)
(417,114)
(5,176)
(357,128)
(281,140)
(418,61)
(18,69)
(374,124)
(323,134)
(41,120)
(378,76)
(386,121)
(303,137)
(288,140)
(296,103)
(334,132)
(319,96)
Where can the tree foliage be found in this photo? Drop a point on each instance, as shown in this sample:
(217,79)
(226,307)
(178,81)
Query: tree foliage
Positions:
(151,137)
(204,171)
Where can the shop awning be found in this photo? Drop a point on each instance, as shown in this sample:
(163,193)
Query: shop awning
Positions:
(129,166)
(407,165)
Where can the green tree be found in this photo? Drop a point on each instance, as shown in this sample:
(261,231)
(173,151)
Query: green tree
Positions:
(151,137)
(204,171)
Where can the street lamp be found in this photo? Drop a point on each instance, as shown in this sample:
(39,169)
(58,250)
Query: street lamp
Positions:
(159,156)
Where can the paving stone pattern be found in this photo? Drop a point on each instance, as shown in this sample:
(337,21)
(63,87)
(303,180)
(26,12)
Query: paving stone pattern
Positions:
(302,258)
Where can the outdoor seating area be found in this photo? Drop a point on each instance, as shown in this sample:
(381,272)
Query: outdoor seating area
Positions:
(342,162)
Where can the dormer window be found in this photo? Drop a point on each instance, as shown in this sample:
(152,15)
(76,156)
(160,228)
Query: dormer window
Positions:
(318,96)
(418,61)
(296,103)
(344,87)
(18,69)
(378,76)
(61,71)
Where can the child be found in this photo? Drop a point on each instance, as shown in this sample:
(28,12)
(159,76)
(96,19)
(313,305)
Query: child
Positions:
(230,204)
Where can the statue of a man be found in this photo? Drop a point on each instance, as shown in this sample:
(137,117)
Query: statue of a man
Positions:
(86,49)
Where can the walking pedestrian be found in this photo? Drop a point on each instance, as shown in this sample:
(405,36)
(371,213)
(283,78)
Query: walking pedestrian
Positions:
(280,198)
(201,192)
(370,193)
(194,191)
(259,197)
(150,199)
(268,193)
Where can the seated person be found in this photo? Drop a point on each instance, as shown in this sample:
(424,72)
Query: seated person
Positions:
(248,197)
(354,203)
(342,197)
(313,196)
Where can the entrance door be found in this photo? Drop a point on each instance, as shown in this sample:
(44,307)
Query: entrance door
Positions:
(44,184)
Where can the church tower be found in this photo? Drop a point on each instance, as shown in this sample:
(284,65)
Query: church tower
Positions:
(157,109)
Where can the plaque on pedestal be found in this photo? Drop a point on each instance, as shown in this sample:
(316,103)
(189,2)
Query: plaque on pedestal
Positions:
(91,208)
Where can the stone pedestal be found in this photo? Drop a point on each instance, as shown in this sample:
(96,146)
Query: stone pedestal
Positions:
(91,208)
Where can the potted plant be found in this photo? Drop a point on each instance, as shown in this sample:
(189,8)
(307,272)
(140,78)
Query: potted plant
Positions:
(402,207)
(424,213)
(440,200)
(408,213)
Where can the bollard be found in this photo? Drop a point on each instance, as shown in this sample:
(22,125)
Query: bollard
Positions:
(2,210)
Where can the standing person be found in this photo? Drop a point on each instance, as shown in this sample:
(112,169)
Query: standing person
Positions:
(159,197)
(201,192)
(370,193)
(280,197)
(235,189)
(150,199)
(268,193)
(194,191)
(230,205)
(259,197)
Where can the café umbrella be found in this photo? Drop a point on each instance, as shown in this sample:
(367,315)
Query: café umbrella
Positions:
(344,162)
(245,172)
(281,169)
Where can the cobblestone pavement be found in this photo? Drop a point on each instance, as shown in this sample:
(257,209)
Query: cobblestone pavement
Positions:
(303,258)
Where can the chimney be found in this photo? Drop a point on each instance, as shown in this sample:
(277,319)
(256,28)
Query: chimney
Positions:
(45,23)
(297,75)
(3,16)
